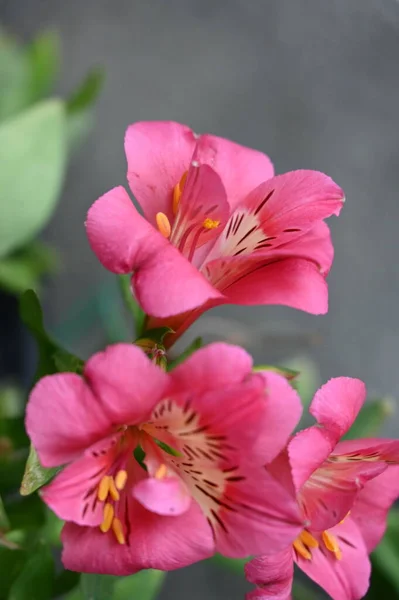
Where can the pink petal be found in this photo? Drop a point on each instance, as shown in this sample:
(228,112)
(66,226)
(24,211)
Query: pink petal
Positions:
(126,382)
(241,169)
(158,154)
(63,417)
(265,517)
(72,495)
(274,574)
(372,505)
(155,542)
(168,496)
(345,579)
(291,204)
(335,407)
(291,282)
(211,367)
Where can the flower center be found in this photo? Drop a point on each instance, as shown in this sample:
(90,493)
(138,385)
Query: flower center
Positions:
(108,492)
(306,542)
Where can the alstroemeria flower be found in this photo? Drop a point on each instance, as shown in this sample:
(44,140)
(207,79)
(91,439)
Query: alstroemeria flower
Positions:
(218,227)
(344,490)
(205,429)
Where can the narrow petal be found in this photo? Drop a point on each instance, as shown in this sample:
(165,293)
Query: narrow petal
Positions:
(345,579)
(126,382)
(241,169)
(158,154)
(167,496)
(372,505)
(63,417)
(153,542)
(273,574)
(72,495)
(291,282)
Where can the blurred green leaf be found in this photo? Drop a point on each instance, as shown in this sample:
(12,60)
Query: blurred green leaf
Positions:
(52,527)
(193,347)
(371,418)
(301,591)
(35,476)
(44,61)
(26,513)
(386,555)
(233,564)
(33,160)
(66,362)
(14,77)
(13,430)
(131,304)
(156,335)
(12,562)
(65,582)
(141,586)
(24,268)
(36,579)
(12,402)
(4,522)
(79,108)
(97,587)
(308,379)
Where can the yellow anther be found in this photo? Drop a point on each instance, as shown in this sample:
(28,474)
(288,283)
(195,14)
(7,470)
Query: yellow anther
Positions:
(107,517)
(308,539)
(331,544)
(113,492)
(163,224)
(160,472)
(210,224)
(177,192)
(120,480)
(103,488)
(301,549)
(118,531)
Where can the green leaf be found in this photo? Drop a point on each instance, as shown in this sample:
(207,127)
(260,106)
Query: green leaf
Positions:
(24,268)
(143,586)
(65,582)
(68,363)
(36,579)
(371,418)
(33,160)
(44,60)
(131,304)
(35,476)
(87,93)
(12,562)
(195,345)
(97,587)
(26,513)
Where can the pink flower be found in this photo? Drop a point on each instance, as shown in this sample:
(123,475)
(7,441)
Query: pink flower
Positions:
(218,227)
(206,428)
(344,491)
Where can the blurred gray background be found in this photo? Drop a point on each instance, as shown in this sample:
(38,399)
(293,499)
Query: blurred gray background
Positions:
(313,83)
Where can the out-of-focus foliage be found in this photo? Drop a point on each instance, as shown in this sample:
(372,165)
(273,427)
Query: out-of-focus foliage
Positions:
(37,135)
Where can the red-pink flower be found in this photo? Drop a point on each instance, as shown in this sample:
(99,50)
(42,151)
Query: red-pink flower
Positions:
(344,491)
(218,227)
(206,428)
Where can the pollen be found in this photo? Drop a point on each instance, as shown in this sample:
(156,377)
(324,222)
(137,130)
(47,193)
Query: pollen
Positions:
(163,224)
(113,492)
(120,480)
(103,488)
(301,549)
(160,472)
(331,544)
(309,540)
(118,531)
(177,192)
(210,224)
(108,516)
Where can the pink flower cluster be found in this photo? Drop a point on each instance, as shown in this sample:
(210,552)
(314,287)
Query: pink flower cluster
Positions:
(163,469)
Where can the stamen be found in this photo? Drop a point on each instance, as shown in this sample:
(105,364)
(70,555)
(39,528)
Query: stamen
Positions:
(113,492)
(107,517)
(160,472)
(308,539)
(118,531)
(103,488)
(301,549)
(331,544)
(210,224)
(177,192)
(163,224)
(120,480)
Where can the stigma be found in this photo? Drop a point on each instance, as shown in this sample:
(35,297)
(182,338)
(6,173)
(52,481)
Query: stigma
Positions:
(109,492)
(210,224)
